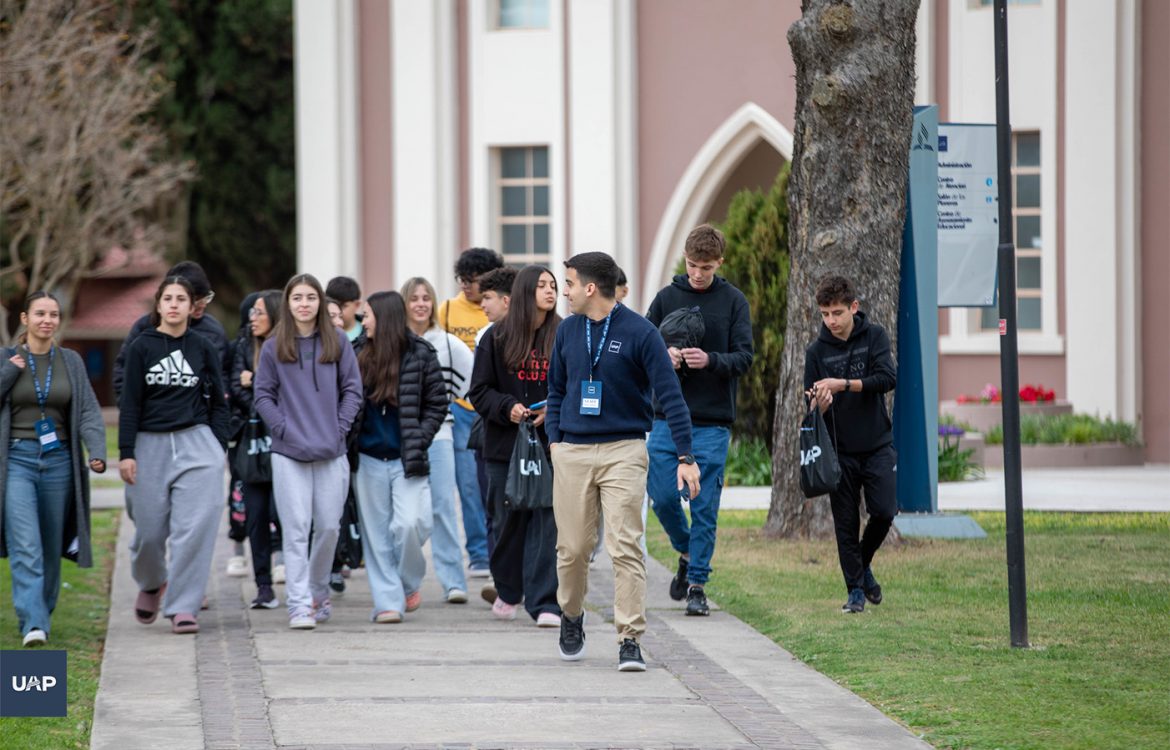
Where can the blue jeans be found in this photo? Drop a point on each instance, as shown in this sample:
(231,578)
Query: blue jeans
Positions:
(474,523)
(709,444)
(395,513)
(37,495)
(445,550)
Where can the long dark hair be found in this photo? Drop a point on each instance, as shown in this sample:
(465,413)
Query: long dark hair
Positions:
(271,299)
(514,334)
(286,329)
(155,317)
(28,301)
(381,358)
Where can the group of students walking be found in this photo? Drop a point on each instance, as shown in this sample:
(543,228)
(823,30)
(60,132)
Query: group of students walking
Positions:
(380,398)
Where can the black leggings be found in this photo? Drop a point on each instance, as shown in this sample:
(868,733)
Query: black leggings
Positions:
(258,521)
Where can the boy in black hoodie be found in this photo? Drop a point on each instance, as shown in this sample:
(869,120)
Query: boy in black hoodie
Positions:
(848,370)
(708,371)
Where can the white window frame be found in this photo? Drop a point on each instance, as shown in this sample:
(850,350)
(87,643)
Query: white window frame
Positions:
(499,221)
(494,19)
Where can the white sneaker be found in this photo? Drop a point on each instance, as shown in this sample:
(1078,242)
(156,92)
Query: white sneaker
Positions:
(476,572)
(302,620)
(278,574)
(35,637)
(548,620)
(237,566)
(457,596)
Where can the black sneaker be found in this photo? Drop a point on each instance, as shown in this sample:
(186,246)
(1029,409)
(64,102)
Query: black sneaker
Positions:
(337,582)
(572,642)
(856,603)
(265,598)
(678,584)
(872,589)
(630,657)
(697,602)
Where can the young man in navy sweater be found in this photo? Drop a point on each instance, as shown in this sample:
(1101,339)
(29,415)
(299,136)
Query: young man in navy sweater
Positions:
(605,364)
(709,373)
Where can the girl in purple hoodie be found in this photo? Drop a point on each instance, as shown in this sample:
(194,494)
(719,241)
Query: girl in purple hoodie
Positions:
(308,391)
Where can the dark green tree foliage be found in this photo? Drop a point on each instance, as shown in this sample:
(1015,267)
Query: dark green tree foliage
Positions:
(231,110)
(756,261)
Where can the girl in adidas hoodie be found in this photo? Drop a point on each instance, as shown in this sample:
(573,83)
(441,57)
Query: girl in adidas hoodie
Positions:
(307,390)
(172,435)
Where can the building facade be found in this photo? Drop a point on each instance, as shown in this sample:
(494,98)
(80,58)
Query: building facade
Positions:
(541,128)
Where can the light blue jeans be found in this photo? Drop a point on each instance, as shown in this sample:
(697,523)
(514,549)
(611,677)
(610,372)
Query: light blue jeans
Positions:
(36,497)
(445,550)
(709,444)
(395,512)
(474,522)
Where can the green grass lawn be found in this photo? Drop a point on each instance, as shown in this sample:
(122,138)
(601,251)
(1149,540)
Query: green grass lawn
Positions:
(79,627)
(936,654)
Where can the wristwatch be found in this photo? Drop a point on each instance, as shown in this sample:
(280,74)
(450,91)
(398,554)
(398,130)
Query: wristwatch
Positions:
(688,459)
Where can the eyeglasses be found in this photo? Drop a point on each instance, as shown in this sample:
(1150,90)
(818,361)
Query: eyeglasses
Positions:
(256,312)
(466,280)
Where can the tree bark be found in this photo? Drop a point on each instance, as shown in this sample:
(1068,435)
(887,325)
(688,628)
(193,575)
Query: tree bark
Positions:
(846,200)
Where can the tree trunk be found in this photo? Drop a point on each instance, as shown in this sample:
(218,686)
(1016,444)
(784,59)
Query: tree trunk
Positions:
(846,200)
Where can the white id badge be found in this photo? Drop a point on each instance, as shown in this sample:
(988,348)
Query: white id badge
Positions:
(591,397)
(47,434)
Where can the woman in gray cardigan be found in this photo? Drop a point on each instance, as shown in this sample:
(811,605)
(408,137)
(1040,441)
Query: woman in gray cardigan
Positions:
(47,409)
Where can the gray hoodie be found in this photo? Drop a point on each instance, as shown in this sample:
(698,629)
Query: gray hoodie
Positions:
(308,406)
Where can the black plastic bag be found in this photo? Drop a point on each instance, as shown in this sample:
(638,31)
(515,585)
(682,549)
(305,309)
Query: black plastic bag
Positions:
(253,460)
(475,436)
(530,481)
(819,470)
(684,328)
(349,542)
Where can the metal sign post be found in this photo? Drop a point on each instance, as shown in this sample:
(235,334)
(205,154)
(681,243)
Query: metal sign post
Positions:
(1009,368)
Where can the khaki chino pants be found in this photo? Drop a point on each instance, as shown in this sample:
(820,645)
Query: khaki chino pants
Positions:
(590,481)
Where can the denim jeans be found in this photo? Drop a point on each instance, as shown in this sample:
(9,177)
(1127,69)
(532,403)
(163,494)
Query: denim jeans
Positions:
(709,445)
(395,513)
(445,550)
(36,498)
(474,523)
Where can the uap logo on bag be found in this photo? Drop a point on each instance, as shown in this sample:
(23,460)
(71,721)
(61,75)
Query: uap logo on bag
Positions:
(530,468)
(33,683)
(809,456)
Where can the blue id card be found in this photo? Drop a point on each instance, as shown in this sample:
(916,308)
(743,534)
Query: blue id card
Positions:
(47,434)
(591,397)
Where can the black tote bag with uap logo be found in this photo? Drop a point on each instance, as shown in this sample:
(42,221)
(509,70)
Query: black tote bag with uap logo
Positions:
(819,470)
(530,481)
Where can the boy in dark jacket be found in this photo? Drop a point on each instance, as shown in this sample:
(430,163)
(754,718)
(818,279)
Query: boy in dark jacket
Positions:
(848,370)
(708,370)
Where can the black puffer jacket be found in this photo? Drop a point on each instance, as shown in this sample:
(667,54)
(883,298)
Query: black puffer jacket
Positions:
(422,407)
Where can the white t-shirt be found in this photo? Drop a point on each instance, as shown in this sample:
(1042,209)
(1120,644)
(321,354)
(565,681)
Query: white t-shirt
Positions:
(456,361)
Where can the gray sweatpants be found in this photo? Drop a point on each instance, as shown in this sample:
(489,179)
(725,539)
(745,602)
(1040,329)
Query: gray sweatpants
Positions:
(177,495)
(309,494)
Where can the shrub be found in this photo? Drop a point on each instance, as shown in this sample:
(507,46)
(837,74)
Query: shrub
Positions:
(1067,429)
(749,464)
(955,464)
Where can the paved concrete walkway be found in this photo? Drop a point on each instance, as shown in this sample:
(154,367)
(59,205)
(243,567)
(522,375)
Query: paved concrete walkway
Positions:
(1090,490)
(453,676)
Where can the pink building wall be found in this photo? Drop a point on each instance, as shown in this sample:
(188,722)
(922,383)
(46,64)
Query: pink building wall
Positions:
(698,62)
(1155,227)
(374,133)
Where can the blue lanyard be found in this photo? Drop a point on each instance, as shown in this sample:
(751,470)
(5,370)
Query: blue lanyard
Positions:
(600,344)
(42,397)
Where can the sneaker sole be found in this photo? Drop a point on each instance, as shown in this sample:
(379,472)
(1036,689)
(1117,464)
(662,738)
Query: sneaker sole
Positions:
(578,656)
(303,625)
(704,613)
(266,605)
(632,666)
(457,597)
